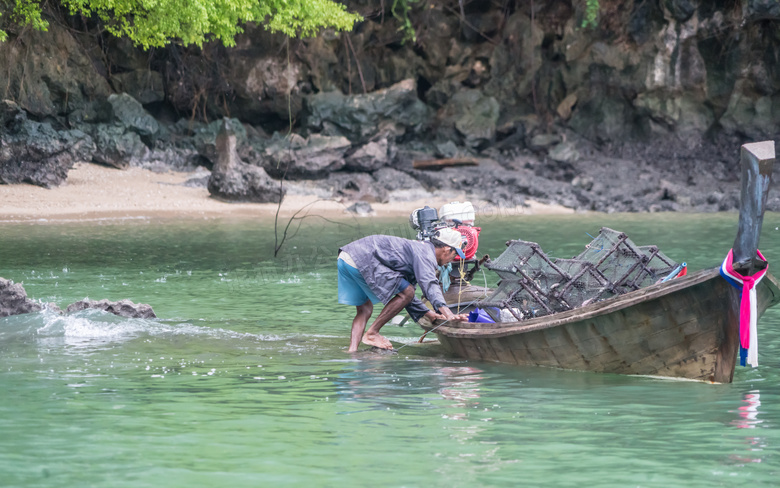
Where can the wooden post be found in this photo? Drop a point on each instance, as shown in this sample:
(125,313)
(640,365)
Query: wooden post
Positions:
(757,160)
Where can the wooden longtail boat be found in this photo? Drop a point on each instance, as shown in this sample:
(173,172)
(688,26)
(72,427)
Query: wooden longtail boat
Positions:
(687,327)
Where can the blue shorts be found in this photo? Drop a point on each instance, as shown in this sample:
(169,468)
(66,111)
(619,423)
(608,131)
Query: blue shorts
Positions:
(353,289)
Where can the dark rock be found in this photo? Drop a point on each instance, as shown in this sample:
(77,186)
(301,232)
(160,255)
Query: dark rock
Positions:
(14,301)
(124,55)
(233,180)
(49,73)
(393,180)
(129,112)
(400,186)
(363,209)
(33,152)
(681,10)
(10,113)
(144,85)
(198,180)
(474,116)
(265,85)
(93,112)
(123,308)
(356,187)
(295,157)
(204,136)
(369,157)
(117,147)
(643,20)
(543,142)
(162,159)
(390,112)
(603,119)
(565,152)
(762,10)
(447,149)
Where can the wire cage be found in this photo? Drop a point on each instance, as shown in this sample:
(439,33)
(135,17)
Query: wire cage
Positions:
(533,284)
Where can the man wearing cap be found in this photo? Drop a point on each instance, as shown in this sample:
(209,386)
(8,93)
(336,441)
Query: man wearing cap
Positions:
(386,268)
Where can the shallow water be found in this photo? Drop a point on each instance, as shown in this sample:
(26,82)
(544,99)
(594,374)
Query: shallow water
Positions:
(244,379)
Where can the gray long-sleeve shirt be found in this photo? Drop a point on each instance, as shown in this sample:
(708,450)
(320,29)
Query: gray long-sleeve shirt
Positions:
(384,260)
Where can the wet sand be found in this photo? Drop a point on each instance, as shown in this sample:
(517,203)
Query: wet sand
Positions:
(98,192)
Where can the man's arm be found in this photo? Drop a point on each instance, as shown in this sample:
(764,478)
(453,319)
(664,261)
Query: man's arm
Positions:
(417,310)
(425,274)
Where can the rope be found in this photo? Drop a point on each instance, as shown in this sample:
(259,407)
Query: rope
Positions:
(462,279)
(472,302)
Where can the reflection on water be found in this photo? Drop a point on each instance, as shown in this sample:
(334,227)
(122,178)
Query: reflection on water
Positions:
(748,419)
(460,384)
(748,413)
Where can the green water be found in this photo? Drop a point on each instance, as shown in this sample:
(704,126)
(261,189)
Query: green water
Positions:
(243,380)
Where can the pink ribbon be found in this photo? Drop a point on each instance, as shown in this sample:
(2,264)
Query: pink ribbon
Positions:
(748,313)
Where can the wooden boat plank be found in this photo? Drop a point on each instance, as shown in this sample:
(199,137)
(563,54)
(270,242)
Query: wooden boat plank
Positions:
(677,352)
(502,351)
(473,350)
(488,353)
(538,349)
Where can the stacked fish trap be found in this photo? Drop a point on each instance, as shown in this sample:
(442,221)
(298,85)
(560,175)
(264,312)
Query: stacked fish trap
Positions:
(533,284)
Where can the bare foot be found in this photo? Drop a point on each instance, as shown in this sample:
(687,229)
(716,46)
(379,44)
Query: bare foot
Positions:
(377,340)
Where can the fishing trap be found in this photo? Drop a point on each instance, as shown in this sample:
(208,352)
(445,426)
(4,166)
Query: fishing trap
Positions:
(533,284)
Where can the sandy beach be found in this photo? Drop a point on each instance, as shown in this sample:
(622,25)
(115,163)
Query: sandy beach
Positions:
(98,192)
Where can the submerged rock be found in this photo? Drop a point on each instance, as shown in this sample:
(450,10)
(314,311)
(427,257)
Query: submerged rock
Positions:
(14,301)
(123,308)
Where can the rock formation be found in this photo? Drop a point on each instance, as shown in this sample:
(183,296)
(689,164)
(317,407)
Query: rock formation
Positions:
(553,110)
(123,308)
(36,153)
(14,301)
(235,181)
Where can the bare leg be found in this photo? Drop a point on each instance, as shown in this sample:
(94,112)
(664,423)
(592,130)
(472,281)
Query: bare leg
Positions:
(393,307)
(359,324)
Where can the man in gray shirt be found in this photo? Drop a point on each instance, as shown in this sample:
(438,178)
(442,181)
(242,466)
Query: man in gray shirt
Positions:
(386,268)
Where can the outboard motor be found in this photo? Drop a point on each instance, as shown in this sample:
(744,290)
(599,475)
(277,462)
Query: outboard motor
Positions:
(460,216)
(424,221)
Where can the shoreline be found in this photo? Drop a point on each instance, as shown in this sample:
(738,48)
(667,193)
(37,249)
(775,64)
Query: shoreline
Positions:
(96,192)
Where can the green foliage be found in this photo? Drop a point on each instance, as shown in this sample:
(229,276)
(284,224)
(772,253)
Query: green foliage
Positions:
(24,12)
(157,22)
(400,10)
(591,13)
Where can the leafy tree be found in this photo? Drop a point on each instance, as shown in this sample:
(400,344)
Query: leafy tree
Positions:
(157,22)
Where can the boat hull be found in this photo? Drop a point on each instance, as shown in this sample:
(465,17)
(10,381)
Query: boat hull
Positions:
(685,328)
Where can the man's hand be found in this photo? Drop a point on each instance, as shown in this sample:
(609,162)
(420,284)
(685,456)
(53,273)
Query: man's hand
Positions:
(447,314)
(432,316)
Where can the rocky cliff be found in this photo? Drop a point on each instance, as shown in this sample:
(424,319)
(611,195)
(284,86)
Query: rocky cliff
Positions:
(646,111)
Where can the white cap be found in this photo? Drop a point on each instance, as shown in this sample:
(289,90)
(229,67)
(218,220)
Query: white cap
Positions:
(452,238)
